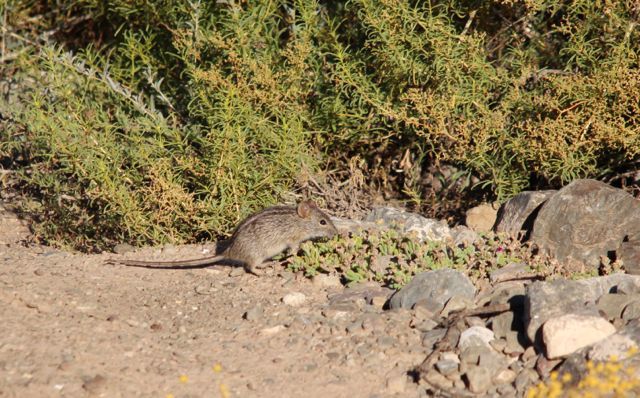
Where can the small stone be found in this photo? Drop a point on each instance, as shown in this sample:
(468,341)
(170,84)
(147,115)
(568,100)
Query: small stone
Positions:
(475,335)
(492,361)
(506,390)
(447,366)
(471,355)
(478,379)
(529,353)
(450,356)
(295,299)
(498,344)
(544,366)
(481,218)
(506,376)
(325,281)
(568,333)
(254,313)
(95,386)
(430,338)
(525,379)
(515,343)
(438,380)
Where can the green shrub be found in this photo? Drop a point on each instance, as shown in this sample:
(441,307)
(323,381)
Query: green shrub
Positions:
(173,120)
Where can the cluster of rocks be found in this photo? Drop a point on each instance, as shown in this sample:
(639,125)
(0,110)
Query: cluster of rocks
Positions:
(500,342)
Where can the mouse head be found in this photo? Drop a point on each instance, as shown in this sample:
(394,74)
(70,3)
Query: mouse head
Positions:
(320,224)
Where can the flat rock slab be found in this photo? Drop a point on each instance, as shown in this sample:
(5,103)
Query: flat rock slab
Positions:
(433,289)
(585,220)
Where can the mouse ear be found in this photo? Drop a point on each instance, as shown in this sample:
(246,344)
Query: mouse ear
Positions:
(305,208)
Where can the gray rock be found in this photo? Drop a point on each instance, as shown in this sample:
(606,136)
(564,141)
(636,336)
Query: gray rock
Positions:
(518,213)
(471,355)
(424,228)
(516,342)
(434,288)
(525,379)
(476,335)
(546,300)
(585,220)
(628,286)
(502,324)
(544,366)
(430,338)
(478,379)
(493,361)
(629,254)
(631,311)
(612,304)
(447,366)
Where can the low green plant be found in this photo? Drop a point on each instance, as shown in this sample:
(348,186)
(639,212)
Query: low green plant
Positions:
(392,258)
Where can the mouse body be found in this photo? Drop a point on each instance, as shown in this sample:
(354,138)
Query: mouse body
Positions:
(262,236)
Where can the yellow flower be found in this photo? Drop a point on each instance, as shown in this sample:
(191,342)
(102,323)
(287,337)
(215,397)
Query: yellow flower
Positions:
(184,378)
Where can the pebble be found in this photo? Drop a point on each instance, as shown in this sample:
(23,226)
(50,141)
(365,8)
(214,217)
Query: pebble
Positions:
(478,379)
(524,379)
(294,299)
(505,376)
(95,386)
(475,335)
(254,313)
(447,366)
(439,380)
(430,338)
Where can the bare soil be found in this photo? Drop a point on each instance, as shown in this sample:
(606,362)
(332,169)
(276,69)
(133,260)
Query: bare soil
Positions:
(75,326)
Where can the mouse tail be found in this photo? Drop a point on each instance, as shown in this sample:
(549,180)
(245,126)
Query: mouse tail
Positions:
(193,263)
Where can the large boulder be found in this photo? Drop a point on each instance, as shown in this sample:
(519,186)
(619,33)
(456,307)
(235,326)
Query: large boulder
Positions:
(587,220)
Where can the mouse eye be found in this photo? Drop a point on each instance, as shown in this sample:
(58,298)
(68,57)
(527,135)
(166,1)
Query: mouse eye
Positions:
(323,222)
